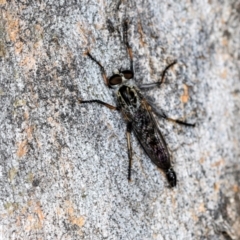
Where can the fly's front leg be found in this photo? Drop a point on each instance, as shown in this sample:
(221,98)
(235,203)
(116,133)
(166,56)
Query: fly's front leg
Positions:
(104,75)
(129,146)
(147,86)
(99,102)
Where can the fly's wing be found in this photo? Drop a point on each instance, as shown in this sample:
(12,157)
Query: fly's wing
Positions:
(147,132)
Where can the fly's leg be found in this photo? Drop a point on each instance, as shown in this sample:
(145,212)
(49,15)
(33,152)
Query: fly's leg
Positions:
(104,75)
(125,39)
(160,113)
(118,4)
(129,146)
(147,86)
(129,130)
(163,115)
(99,102)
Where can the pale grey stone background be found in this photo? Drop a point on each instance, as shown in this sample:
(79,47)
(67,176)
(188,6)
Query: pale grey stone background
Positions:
(64,166)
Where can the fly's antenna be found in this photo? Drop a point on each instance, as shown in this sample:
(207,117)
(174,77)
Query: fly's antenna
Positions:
(126,42)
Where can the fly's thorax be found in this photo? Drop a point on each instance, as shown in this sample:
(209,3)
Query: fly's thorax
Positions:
(128,98)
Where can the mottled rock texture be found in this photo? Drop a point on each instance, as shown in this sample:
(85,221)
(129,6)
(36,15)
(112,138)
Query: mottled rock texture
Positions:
(63,166)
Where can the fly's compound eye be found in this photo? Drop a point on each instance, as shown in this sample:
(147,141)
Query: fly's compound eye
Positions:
(128,74)
(115,80)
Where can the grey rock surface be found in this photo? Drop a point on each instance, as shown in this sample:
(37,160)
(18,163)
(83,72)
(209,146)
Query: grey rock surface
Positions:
(63,165)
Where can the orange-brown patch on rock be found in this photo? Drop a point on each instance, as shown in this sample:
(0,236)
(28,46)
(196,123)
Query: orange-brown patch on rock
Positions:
(185,96)
(224,74)
(140,31)
(29,131)
(22,148)
(218,163)
(18,47)
(2,2)
(78,220)
(28,61)
(12,28)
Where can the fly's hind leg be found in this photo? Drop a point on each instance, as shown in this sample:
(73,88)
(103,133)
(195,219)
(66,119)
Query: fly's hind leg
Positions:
(129,146)
(160,113)
(163,115)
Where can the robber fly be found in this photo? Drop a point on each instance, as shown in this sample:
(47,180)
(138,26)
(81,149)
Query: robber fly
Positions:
(138,114)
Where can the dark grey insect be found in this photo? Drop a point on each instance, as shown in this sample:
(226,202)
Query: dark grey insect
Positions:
(138,114)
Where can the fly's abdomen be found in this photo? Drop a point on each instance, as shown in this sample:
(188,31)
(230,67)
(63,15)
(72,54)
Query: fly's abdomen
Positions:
(151,139)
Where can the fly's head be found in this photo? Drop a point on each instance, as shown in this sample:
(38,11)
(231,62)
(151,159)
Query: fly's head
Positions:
(171,177)
(127,95)
(119,78)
